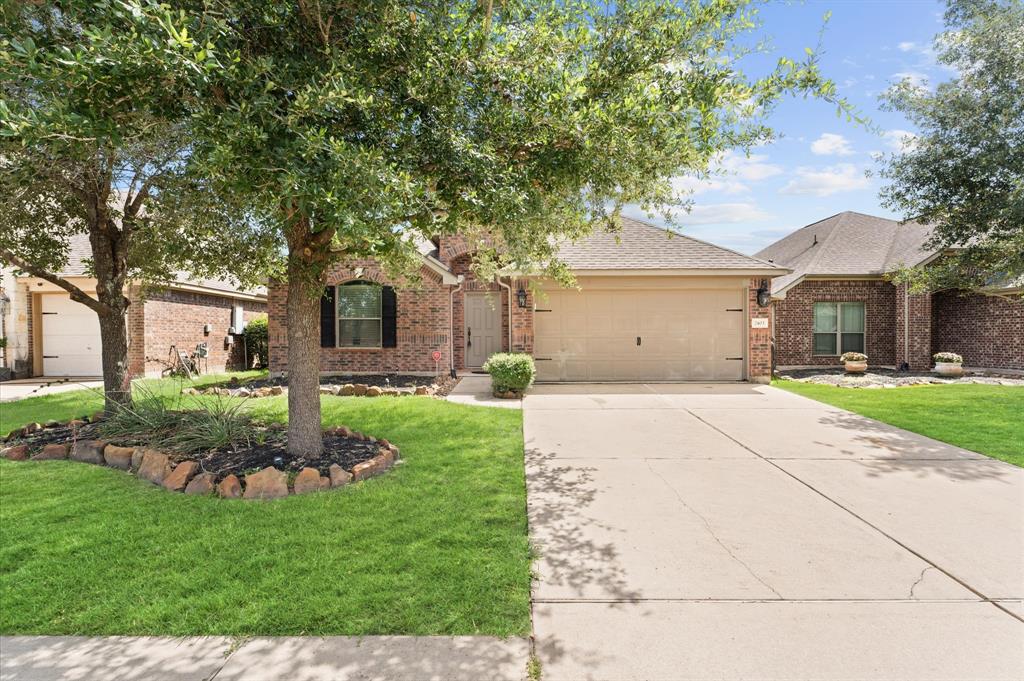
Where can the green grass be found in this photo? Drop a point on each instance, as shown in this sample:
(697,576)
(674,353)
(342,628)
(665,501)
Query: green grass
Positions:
(983,418)
(436,546)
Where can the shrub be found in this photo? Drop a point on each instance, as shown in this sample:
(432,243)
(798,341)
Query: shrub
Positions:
(510,371)
(853,357)
(950,357)
(256,340)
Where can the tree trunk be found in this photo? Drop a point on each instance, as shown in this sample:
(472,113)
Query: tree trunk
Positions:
(116,378)
(308,256)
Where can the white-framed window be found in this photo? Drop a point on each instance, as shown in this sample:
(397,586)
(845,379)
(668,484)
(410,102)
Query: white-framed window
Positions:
(838,328)
(359,318)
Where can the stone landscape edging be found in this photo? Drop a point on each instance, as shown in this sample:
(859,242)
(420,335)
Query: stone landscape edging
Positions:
(188,476)
(346,390)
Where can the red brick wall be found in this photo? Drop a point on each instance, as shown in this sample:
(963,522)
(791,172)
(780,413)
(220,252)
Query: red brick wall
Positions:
(422,325)
(173,317)
(759,347)
(794,320)
(136,335)
(914,315)
(988,331)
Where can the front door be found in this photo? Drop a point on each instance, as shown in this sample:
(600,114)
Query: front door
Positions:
(483,328)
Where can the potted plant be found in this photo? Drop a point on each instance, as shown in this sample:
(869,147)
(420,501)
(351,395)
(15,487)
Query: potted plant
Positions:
(854,362)
(511,373)
(948,364)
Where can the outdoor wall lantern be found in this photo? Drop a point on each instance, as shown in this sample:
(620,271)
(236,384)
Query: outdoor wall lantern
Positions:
(521,297)
(764,296)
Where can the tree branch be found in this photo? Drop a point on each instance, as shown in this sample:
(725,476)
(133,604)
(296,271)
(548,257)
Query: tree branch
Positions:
(77,294)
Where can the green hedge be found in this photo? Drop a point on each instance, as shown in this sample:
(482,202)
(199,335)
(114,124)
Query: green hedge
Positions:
(510,371)
(256,340)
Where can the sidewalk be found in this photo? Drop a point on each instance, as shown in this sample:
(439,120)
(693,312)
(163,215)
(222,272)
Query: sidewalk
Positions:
(475,389)
(45,385)
(337,658)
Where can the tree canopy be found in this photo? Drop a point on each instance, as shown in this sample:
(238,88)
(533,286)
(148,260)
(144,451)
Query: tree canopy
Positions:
(964,172)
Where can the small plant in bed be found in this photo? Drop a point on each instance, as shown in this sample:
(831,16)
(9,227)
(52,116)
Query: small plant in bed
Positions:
(511,373)
(854,362)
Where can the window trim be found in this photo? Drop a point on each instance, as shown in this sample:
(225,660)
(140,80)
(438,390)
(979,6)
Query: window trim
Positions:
(839,327)
(338,319)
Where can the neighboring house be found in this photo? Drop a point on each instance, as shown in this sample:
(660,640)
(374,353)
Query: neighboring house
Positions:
(837,299)
(55,336)
(652,305)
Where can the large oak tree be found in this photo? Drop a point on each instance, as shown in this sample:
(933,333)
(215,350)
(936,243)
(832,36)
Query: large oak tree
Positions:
(92,142)
(353,125)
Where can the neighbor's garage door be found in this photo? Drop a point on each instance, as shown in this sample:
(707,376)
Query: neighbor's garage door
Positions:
(71,337)
(640,335)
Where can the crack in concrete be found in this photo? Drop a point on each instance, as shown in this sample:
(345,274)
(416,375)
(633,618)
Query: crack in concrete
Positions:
(710,530)
(920,579)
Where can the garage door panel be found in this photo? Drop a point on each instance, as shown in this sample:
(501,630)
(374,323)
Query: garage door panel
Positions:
(687,334)
(70,337)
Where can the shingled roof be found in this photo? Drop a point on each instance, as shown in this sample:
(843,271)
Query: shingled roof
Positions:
(848,244)
(641,246)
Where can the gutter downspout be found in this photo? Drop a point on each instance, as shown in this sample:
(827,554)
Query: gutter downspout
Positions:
(508,288)
(451,324)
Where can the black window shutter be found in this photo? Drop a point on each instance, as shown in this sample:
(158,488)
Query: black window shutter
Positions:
(388,317)
(328,328)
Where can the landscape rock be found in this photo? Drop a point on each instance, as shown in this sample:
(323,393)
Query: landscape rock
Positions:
(269,483)
(52,424)
(180,476)
(339,477)
(325,482)
(421,390)
(374,391)
(137,458)
(359,389)
(229,488)
(386,458)
(326,390)
(31,428)
(88,451)
(201,484)
(308,480)
(15,453)
(276,390)
(75,424)
(366,469)
(347,390)
(118,457)
(155,466)
(52,452)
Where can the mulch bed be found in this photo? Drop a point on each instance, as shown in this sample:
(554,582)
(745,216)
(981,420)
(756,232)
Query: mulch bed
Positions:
(442,384)
(239,459)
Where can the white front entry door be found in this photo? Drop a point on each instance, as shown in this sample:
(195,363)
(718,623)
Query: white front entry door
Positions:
(483,328)
(640,335)
(71,337)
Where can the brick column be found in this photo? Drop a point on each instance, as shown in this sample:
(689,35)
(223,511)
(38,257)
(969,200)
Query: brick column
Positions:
(522,319)
(759,340)
(913,328)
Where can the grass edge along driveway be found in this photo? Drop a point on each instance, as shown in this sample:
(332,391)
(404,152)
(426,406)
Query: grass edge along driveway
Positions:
(437,546)
(982,418)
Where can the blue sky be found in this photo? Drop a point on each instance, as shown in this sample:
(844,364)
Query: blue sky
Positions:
(816,167)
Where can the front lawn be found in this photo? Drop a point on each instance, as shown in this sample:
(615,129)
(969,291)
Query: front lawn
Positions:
(983,418)
(436,546)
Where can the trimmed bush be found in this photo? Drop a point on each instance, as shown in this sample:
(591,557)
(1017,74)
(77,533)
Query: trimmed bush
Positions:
(948,357)
(256,340)
(510,371)
(853,357)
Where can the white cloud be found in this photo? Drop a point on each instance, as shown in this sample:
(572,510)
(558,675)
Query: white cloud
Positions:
(907,46)
(831,144)
(842,177)
(720,213)
(731,173)
(899,140)
(916,78)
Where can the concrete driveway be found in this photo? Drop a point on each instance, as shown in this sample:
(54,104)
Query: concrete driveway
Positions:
(742,532)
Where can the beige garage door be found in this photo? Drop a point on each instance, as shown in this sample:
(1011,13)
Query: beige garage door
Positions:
(640,335)
(71,337)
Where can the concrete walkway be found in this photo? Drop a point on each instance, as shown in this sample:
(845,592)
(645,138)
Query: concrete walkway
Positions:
(743,532)
(32,387)
(475,389)
(341,658)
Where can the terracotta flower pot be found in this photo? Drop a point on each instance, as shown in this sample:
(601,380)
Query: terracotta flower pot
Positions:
(855,367)
(949,369)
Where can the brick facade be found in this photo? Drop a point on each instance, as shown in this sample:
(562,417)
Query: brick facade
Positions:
(913,337)
(794,320)
(987,331)
(759,341)
(176,317)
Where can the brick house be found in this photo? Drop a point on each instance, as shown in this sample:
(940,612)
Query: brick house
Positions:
(48,334)
(837,299)
(651,305)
